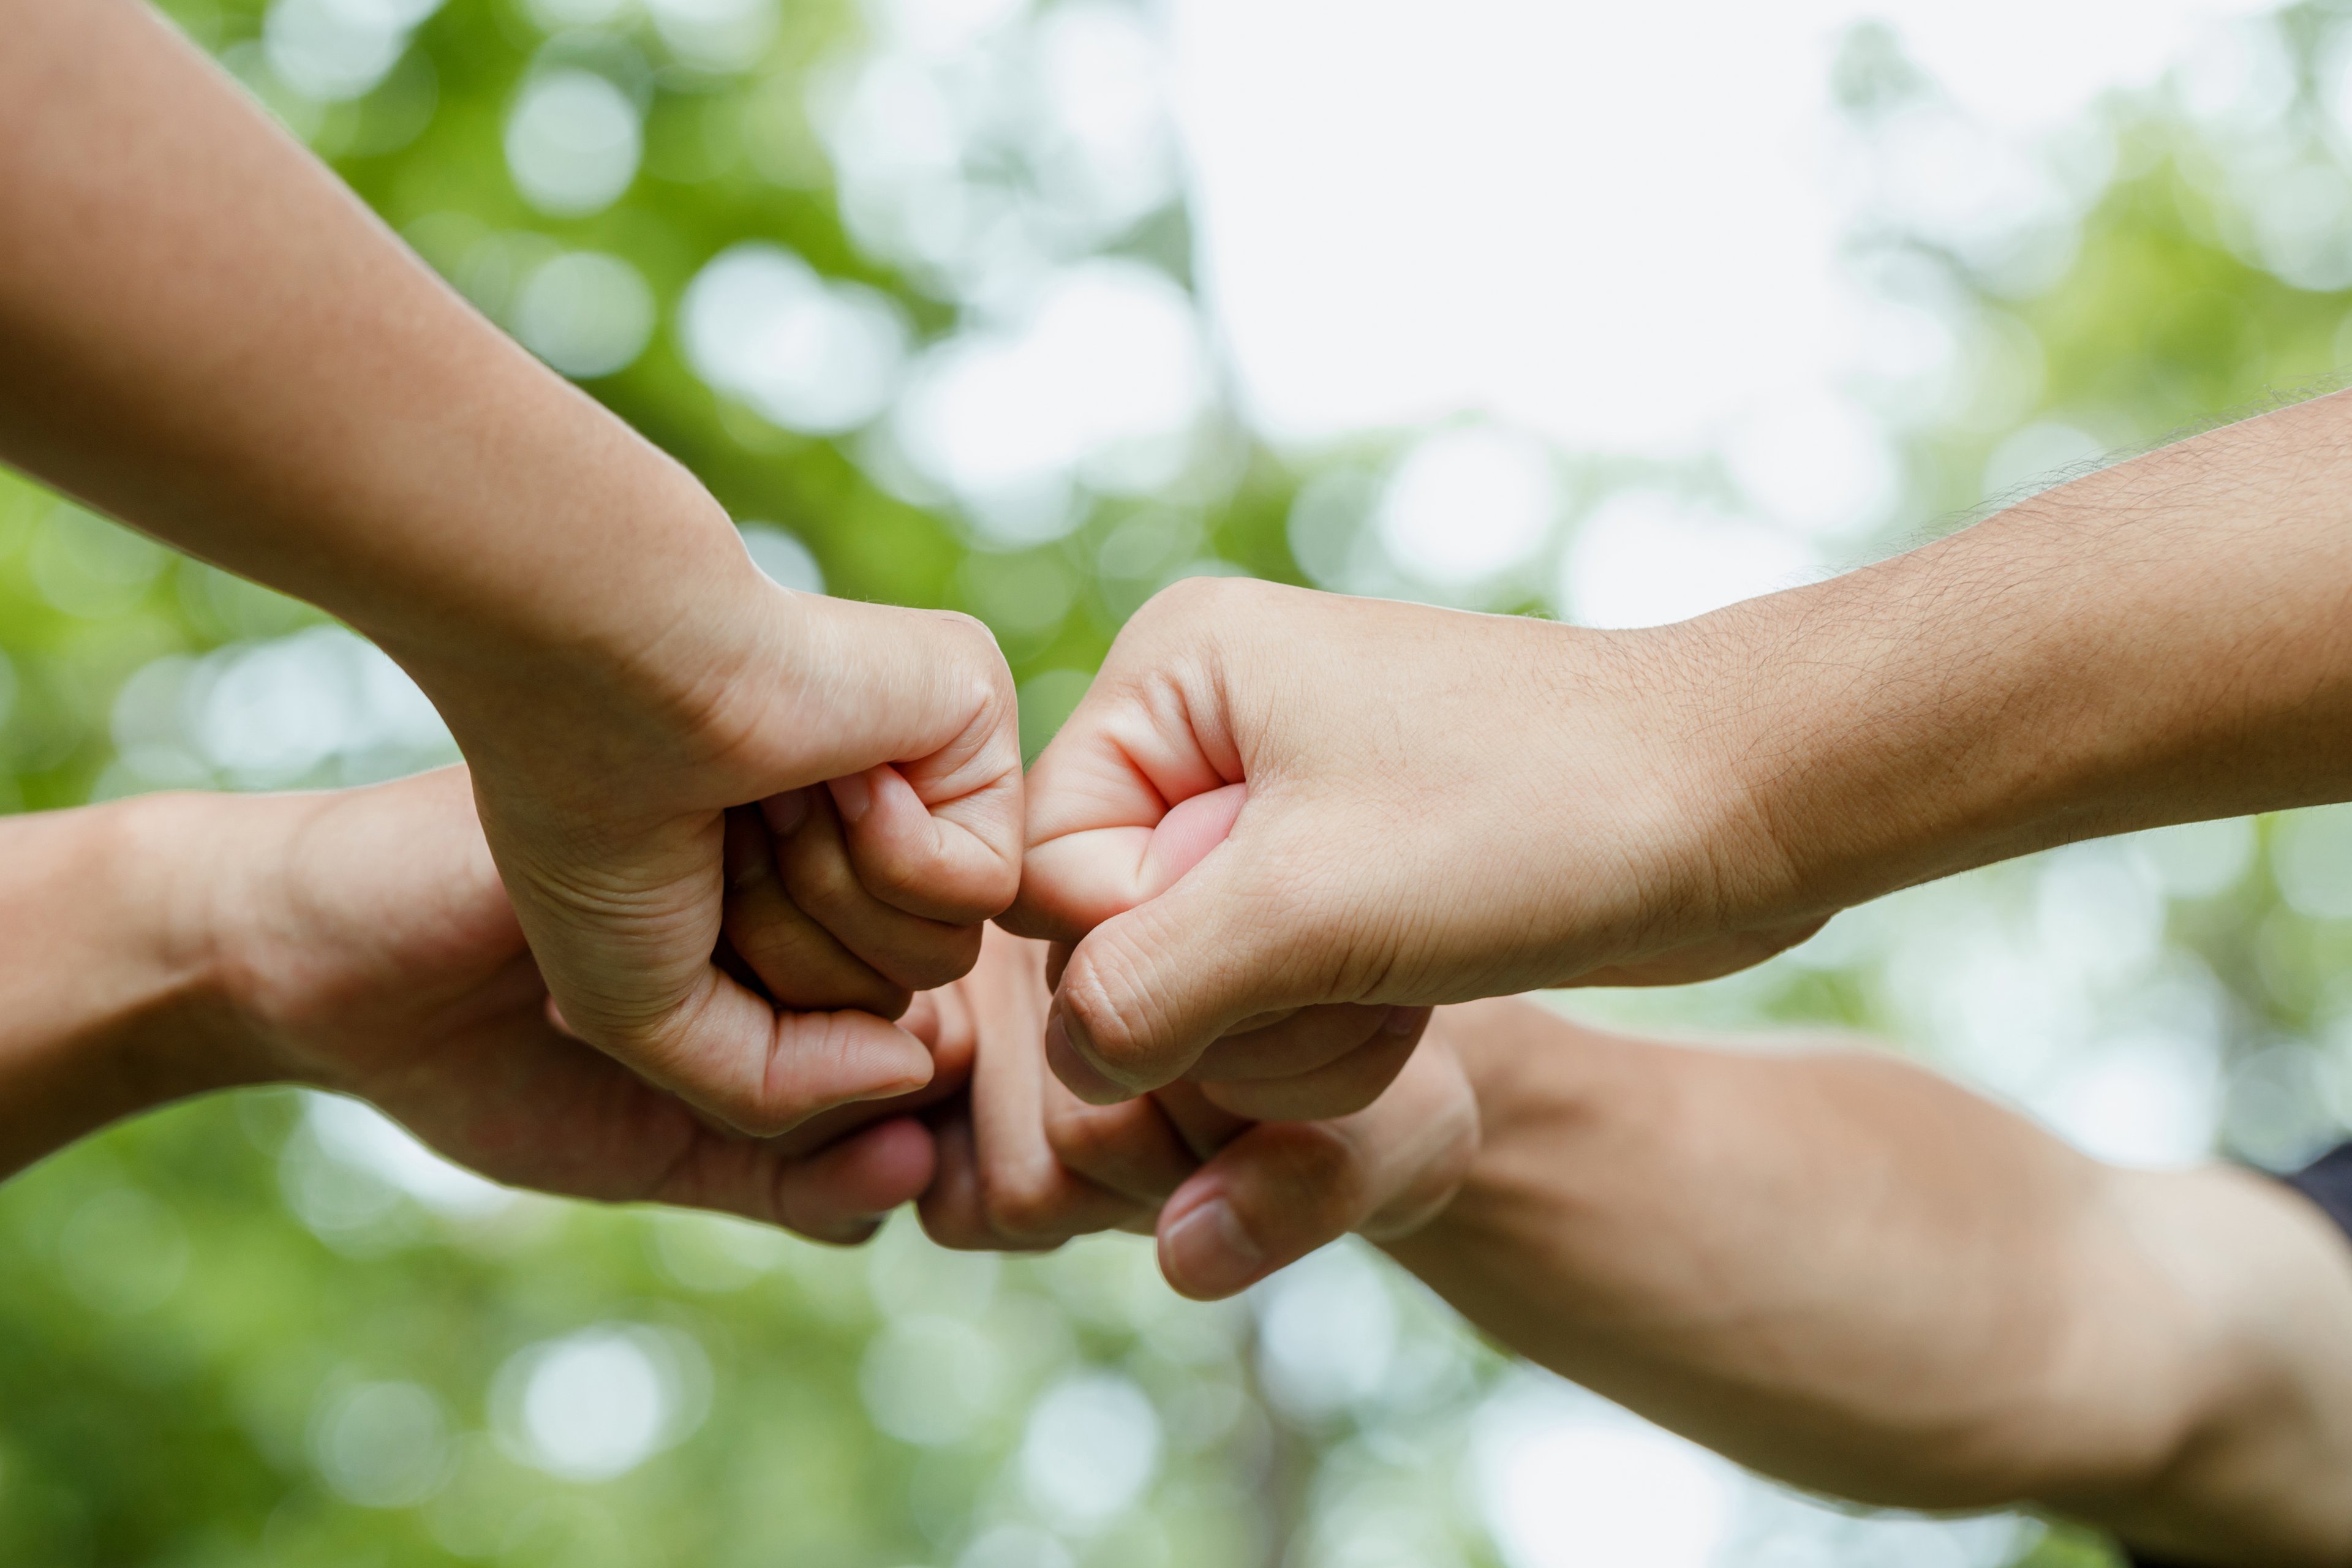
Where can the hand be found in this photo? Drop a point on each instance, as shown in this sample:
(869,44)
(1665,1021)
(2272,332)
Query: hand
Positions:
(1439,806)
(209,338)
(366,946)
(1023,1165)
(605,797)
(1291,1064)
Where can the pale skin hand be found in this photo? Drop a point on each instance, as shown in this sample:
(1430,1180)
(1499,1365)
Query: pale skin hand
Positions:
(1443,806)
(1418,806)
(359,942)
(208,337)
(1836,1269)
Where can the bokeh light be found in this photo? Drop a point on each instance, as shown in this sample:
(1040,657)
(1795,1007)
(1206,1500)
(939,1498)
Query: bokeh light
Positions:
(1096,381)
(573,142)
(1645,558)
(599,1402)
(586,313)
(1465,504)
(809,354)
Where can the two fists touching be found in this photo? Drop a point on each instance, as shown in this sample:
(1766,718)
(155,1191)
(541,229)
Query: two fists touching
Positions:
(1279,828)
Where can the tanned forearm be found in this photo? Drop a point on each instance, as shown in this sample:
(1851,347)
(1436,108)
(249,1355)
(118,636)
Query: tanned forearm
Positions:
(1857,1277)
(209,337)
(2167,641)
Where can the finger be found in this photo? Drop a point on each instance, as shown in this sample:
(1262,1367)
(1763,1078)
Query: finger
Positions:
(932,694)
(942,1022)
(1283,1189)
(1079,877)
(1073,882)
(936,699)
(1204,1126)
(1310,1038)
(1026,1194)
(963,1209)
(1146,993)
(1131,1149)
(1337,1089)
(1138,743)
(949,1208)
(922,862)
(839,1194)
(763,1072)
(800,962)
(822,883)
(570,1120)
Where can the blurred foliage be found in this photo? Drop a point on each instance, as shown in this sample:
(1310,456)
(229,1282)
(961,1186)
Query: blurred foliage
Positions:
(227,1339)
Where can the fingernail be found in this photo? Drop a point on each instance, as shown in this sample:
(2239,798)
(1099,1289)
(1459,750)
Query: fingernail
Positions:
(1207,1252)
(784,813)
(853,793)
(1069,1065)
(1404,1020)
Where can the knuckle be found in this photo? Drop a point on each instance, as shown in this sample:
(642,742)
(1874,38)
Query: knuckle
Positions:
(1190,597)
(1084,1138)
(1102,991)
(751,1116)
(821,1054)
(818,876)
(938,957)
(1318,1172)
(1022,1205)
(954,1226)
(967,630)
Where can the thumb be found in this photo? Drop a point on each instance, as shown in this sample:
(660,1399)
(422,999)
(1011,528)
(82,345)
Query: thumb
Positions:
(1283,1188)
(1112,882)
(1146,991)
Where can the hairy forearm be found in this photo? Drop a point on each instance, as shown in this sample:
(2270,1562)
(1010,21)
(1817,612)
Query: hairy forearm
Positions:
(209,337)
(2164,641)
(109,996)
(1859,1278)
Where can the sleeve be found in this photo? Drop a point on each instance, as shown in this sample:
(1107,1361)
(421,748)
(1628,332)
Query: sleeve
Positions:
(2326,1182)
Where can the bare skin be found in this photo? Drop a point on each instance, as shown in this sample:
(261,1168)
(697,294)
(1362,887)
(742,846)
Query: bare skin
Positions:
(359,941)
(1830,1265)
(1440,805)
(208,337)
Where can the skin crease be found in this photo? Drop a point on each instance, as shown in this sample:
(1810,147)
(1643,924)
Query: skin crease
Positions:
(1972,1314)
(210,339)
(359,941)
(1443,805)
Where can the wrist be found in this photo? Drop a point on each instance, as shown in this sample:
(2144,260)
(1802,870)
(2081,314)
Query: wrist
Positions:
(117,1003)
(1536,1085)
(592,626)
(1702,804)
(181,865)
(659,681)
(1980,697)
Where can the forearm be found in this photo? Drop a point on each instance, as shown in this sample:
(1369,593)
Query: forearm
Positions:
(209,337)
(2164,641)
(109,994)
(1856,1277)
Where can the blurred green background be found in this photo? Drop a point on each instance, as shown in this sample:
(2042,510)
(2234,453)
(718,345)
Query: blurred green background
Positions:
(267,1328)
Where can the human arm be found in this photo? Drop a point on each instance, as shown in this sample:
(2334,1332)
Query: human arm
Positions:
(1443,806)
(1828,1264)
(1856,1276)
(208,337)
(359,941)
